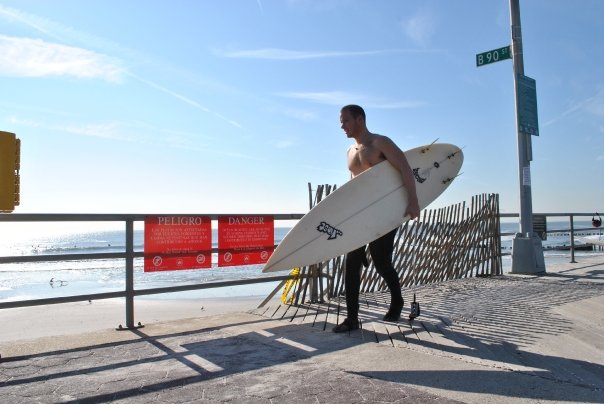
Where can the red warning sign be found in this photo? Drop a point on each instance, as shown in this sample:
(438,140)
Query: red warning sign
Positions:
(245,240)
(177,242)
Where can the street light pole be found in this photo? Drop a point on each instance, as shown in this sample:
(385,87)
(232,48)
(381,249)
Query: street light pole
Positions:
(527,251)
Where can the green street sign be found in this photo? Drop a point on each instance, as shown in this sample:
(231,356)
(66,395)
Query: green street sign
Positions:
(493,56)
(528,120)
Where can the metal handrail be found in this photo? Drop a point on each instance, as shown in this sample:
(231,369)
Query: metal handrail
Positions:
(129,254)
(572,230)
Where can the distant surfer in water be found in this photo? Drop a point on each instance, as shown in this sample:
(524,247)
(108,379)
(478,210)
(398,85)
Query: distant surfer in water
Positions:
(369,150)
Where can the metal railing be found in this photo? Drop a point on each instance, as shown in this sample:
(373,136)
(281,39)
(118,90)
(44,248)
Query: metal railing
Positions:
(129,254)
(571,230)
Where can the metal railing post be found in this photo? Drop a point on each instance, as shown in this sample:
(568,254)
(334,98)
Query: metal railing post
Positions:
(572,240)
(129,273)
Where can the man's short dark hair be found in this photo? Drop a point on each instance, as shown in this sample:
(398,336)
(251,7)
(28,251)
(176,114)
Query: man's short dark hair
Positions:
(354,110)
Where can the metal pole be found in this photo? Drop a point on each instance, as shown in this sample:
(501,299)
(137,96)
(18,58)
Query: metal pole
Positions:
(527,252)
(572,240)
(524,140)
(129,273)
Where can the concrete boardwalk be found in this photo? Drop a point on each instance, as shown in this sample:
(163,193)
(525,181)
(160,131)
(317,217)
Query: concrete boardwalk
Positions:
(485,340)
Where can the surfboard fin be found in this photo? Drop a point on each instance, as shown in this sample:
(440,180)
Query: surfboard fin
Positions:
(425,149)
(448,179)
(450,156)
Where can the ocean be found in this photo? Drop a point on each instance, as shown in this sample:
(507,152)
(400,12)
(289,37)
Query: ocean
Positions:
(37,280)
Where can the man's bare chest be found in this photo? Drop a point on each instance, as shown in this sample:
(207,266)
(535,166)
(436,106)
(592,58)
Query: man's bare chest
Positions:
(361,157)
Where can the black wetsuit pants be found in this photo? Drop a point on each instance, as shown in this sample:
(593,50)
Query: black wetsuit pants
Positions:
(381,254)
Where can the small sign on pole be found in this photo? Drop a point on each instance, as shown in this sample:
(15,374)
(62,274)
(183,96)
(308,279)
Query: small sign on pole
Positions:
(528,121)
(540,226)
(493,56)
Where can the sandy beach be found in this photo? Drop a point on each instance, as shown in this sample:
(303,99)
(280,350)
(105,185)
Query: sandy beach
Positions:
(25,323)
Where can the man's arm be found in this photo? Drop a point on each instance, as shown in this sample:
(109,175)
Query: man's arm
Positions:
(397,158)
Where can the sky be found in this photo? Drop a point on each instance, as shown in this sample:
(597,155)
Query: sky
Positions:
(211,106)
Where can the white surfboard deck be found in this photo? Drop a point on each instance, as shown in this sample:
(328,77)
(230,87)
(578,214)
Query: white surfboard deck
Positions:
(595,239)
(365,208)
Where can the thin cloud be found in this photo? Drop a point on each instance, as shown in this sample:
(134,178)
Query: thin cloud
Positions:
(26,57)
(103,130)
(343,98)
(85,63)
(318,6)
(286,54)
(184,99)
(260,6)
(136,131)
(596,104)
(110,130)
(238,156)
(593,105)
(420,28)
(62,33)
(170,92)
(285,143)
(299,114)
(37,23)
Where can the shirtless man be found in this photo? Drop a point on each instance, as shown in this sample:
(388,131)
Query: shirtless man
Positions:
(369,150)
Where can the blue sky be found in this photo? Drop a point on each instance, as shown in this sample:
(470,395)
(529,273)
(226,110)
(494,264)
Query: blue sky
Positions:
(233,106)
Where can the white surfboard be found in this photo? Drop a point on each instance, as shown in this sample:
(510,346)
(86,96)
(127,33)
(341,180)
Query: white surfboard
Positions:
(596,239)
(365,208)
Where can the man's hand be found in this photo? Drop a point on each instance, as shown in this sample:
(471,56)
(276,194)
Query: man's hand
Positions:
(412,209)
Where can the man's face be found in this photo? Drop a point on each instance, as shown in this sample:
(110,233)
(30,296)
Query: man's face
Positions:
(350,125)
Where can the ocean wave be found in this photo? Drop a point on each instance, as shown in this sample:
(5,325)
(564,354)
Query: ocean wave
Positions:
(82,249)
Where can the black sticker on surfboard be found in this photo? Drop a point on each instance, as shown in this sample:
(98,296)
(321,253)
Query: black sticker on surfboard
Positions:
(417,176)
(328,229)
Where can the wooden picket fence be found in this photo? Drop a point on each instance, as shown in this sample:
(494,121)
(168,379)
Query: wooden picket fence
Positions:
(457,241)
